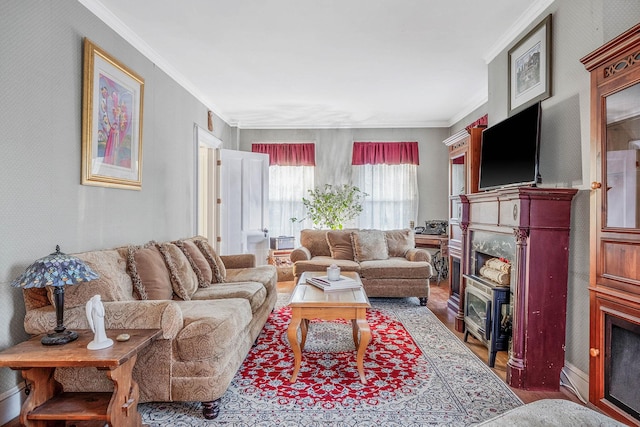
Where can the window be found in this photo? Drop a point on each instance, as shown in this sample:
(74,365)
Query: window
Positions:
(291,175)
(387,172)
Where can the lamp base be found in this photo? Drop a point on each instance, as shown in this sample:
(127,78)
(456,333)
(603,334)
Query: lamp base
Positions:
(56,338)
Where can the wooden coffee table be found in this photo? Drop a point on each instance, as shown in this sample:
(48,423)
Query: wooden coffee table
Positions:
(308,302)
(47,403)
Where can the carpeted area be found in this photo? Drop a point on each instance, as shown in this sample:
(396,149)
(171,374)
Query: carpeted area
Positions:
(418,373)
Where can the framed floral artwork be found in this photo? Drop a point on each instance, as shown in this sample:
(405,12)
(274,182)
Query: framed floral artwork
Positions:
(530,68)
(112,106)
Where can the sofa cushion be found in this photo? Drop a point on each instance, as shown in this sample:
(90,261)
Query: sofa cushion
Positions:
(315,241)
(369,245)
(320,263)
(265,274)
(113,283)
(188,280)
(254,292)
(340,244)
(399,242)
(149,273)
(211,327)
(395,268)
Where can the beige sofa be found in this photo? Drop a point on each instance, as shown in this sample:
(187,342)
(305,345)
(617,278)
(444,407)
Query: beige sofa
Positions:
(388,262)
(210,309)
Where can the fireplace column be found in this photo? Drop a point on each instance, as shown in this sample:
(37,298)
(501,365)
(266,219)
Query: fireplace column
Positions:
(515,366)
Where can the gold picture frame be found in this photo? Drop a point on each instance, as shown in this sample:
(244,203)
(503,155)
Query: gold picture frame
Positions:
(112,106)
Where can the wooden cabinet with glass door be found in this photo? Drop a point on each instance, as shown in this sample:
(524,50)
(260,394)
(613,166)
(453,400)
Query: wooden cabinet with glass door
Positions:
(614,285)
(464,167)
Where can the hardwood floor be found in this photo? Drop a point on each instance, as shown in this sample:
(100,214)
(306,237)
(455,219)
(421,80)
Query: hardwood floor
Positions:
(438,305)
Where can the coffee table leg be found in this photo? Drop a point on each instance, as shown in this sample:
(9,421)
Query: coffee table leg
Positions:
(304,328)
(292,334)
(365,337)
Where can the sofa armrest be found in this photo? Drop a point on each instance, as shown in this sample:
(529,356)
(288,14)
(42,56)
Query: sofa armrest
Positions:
(165,315)
(239,261)
(418,254)
(300,254)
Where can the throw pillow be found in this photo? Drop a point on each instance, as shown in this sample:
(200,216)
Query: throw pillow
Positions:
(149,273)
(340,244)
(112,283)
(198,262)
(185,272)
(218,270)
(369,245)
(399,242)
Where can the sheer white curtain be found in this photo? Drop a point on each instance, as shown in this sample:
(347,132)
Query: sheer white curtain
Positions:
(287,186)
(392,199)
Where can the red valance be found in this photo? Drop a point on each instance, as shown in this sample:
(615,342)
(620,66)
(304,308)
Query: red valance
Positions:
(303,154)
(389,153)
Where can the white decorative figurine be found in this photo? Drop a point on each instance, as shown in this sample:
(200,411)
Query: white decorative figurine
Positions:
(95,316)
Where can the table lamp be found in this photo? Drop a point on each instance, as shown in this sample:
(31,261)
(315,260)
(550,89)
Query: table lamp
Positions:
(58,270)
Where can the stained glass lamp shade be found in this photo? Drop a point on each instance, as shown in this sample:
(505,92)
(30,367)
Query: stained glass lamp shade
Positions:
(58,270)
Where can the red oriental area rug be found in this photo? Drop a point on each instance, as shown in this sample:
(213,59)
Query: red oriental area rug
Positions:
(417,372)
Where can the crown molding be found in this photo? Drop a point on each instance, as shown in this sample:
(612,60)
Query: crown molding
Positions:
(106,16)
(517,28)
(425,124)
(476,102)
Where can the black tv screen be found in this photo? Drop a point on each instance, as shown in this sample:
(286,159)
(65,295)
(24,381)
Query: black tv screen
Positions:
(510,151)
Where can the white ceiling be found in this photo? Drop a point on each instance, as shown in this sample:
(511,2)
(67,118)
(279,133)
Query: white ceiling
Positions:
(325,63)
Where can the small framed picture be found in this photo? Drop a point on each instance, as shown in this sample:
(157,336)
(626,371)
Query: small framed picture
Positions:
(111,121)
(530,68)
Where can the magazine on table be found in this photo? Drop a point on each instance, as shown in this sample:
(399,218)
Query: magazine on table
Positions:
(327,285)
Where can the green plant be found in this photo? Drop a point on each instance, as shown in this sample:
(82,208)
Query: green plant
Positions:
(330,207)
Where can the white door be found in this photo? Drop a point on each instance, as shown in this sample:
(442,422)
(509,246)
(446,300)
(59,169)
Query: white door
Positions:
(244,196)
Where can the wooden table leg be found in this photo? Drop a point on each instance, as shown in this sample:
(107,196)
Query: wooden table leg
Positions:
(43,388)
(292,334)
(304,328)
(365,337)
(123,407)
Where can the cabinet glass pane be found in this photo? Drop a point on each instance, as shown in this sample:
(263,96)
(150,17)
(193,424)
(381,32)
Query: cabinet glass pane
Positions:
(621,184)
(458,178)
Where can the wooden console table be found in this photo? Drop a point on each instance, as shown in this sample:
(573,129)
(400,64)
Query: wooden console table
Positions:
(46,401)
(440,258)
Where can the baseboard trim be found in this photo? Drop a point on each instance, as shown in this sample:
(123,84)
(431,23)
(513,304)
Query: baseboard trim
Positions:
(10,404)
(579,379)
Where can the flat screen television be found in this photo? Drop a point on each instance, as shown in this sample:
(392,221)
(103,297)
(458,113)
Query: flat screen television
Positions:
(510,151)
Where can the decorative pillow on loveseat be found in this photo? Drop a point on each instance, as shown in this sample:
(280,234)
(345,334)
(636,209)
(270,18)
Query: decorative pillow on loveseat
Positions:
(369,245)
(399,242)
(340,244)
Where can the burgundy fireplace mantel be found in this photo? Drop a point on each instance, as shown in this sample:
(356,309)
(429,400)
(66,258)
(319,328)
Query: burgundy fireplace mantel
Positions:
(539,218)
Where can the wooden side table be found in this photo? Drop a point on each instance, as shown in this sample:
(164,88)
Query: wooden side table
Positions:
(46,401)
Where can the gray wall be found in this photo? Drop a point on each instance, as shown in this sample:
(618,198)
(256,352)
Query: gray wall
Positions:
(43,203)
(333,157)
(579,27)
